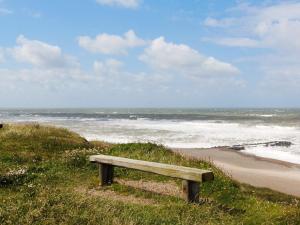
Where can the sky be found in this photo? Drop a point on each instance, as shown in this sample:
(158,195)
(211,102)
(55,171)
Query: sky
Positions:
(143,53)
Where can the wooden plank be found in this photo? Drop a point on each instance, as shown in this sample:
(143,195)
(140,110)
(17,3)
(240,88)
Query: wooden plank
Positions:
(191,190)
(106,173)
(182,172)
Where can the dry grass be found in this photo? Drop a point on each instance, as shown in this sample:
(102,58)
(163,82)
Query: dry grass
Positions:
(110,195)
(165,188)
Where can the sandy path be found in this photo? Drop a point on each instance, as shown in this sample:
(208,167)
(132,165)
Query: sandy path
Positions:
(260,172)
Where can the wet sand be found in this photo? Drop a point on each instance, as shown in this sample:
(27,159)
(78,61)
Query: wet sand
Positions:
(260,172)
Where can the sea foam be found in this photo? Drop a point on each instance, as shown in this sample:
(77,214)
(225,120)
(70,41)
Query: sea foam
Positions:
(176,133)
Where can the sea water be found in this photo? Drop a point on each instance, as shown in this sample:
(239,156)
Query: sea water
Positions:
(178,128)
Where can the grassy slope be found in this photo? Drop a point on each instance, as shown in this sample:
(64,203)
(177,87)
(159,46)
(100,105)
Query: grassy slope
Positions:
(42,169)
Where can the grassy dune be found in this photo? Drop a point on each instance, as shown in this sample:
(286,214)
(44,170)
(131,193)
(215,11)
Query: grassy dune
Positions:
(45,178)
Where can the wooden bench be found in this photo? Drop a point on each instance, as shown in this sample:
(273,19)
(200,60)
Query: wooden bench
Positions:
(191,176)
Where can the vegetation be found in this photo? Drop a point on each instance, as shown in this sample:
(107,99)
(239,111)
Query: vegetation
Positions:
(45,178)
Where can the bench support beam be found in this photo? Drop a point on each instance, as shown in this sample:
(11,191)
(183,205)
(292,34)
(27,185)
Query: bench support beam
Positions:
(106,174)
(191,190)
(192,177)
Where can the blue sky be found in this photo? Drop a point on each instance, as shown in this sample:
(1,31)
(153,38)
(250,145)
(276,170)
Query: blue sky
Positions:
(142,53)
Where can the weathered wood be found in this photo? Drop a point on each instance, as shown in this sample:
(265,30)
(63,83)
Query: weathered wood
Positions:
(106,173)
(191,190)
(191,176)
(182,172)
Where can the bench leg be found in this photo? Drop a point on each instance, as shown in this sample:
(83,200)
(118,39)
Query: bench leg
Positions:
(106,174)
(191,190)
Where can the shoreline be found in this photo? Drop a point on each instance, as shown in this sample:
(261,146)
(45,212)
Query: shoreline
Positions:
(257,171)
(250,169)
(258,158)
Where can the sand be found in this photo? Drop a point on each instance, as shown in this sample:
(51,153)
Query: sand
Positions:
(260,172)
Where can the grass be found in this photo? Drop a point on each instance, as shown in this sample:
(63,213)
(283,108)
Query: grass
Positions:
(45,178)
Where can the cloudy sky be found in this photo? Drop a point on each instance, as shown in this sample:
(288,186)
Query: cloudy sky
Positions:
(143,53)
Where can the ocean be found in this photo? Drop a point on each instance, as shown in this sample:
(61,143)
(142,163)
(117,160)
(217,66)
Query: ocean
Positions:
(177,127)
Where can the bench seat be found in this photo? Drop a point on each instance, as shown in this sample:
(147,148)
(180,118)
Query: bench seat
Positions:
(191,176)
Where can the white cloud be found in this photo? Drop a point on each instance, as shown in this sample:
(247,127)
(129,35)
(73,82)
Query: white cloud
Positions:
(281,72)
(53,70)
(274,26)
(275,29)
(44,77)
(180,58)
(212,22)
(32,13)
(41,54)
(111,73)
(111,44)
(132,4)
(4,11)
(235,42)
(2,55)
(109,67)
(50,67)
(278,26)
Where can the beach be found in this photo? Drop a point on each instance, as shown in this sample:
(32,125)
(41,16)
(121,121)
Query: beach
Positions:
(194,133)
(257,171)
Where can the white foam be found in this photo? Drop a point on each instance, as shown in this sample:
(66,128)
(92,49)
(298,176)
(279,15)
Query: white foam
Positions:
(192,134)
(267,115)
(279,153)
(263,115)
(183,134)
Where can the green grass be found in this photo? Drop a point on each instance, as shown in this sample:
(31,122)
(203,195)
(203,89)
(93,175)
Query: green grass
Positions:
(43,169)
